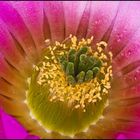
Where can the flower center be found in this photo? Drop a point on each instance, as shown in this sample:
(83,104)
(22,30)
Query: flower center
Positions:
(70,85)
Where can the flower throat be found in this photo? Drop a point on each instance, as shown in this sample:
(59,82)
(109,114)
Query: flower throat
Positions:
(74,77)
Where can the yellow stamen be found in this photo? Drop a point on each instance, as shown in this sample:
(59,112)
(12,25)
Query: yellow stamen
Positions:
(79,95)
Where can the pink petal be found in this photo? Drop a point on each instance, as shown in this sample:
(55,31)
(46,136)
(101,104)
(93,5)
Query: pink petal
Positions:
(124,113)
(7,73)
(55,15)
(129,54)
(126,80)
(118,125)
(84,22)
(10,51)
(73,12)
(17,27)
(101,18)
(126,24)
(132,78)
(32,15)
(126,93)
(126,67)
(8,91)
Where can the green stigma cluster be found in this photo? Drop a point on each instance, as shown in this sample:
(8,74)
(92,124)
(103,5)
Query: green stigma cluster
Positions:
(79,65)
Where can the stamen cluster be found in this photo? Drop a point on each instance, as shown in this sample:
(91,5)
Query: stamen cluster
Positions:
(74,73)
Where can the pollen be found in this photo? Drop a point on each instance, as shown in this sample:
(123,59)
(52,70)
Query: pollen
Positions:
(75,73)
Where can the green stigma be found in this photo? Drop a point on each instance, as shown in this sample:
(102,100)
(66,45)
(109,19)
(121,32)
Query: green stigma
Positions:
(80,66)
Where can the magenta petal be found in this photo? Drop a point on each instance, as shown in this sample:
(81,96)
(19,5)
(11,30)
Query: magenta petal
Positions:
(120,137)
(128,135)
(11,127)
(131,135)
(2,135)
(2,132)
